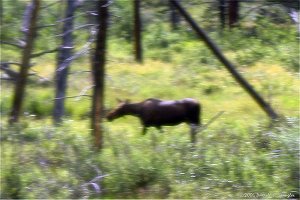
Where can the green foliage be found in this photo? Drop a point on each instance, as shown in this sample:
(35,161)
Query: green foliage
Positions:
(265,41)
(226,163)
(219,167)
(13,183)
(9,17)
(48,165)
(121,27)
(78,110)
(237,155)
(39,104)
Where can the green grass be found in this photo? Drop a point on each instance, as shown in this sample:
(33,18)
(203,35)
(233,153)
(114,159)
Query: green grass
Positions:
(228,161)
(237,154)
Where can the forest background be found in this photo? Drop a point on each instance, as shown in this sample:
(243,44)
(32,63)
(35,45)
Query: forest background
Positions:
(240,155)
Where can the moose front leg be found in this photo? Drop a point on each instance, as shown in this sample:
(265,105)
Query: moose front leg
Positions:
(145,128)
(160,129)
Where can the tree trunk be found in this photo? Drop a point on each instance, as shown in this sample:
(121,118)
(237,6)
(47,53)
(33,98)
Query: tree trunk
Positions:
(174,17)
(137,32)
(63,63)
(229,66)
(98,69)
(19,92)
(233,13)
(222,8)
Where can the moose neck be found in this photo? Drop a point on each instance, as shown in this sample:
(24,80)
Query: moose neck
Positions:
(133,109)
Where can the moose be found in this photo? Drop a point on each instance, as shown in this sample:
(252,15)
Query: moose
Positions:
(156,113)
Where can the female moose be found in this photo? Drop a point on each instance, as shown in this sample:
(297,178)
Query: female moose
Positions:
(156,113)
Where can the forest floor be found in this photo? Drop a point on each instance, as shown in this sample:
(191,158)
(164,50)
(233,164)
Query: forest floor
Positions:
(239,154)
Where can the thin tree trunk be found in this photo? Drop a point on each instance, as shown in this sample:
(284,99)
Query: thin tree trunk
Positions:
(229,66)
(174,17)
(25,63)
(137,32)
(222,8)
(233,13)
(98,69)
(1,16)
(63,63)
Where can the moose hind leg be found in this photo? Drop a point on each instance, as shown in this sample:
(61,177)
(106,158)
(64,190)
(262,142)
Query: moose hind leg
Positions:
(194,130)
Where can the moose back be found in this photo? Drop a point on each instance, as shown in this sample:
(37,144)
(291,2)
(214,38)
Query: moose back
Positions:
(156,113)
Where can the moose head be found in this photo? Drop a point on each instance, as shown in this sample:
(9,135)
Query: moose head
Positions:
(119,111)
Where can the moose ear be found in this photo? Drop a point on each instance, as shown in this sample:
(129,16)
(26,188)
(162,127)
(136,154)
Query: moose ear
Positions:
(119,100)
(127,101)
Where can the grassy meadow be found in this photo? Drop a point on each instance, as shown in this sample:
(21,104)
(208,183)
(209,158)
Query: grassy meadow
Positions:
(241,155)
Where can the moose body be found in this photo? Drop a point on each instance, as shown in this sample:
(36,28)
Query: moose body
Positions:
(157,113)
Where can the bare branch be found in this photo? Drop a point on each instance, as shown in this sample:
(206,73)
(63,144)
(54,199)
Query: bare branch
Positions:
(84,90)
(44,52)
(10,63)
(93,12)
(86,48)
(65,19)
(17,63)
(80,14)
(96,186)
(214,118)
(81,52)
(108,3)
(82,71)
(99,172)
(97,178)
(45,26)
(7,78)
(76,96)
(74,29)
(42,79)
(13,75)
(12,44)
(51,4)
(81,94)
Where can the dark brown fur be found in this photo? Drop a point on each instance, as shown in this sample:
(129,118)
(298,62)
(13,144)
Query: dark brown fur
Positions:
(156,113)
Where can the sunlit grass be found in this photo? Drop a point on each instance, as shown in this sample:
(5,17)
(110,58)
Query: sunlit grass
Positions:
(45,69)
(215,89)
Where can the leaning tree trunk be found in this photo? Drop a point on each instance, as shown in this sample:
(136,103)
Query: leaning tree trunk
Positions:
(229,66)
(30,33)
(63,63)
(98,70)
(137,32)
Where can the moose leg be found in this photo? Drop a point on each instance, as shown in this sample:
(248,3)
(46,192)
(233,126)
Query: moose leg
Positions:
(160,129)
(144,130)
(194,129)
